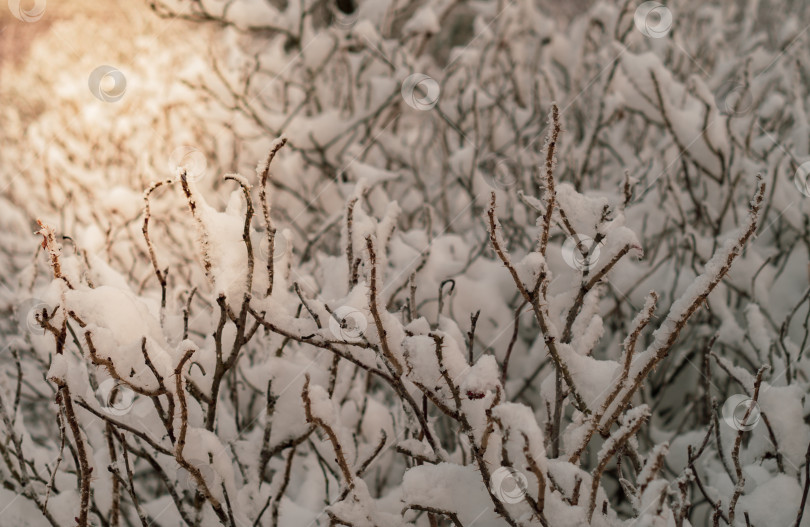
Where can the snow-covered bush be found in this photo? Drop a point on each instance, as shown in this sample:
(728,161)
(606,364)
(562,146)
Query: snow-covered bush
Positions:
(491,268)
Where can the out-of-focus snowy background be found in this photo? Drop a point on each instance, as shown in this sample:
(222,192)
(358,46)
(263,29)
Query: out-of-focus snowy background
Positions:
(434,262)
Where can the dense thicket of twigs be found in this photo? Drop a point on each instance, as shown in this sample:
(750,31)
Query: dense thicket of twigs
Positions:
(559,278)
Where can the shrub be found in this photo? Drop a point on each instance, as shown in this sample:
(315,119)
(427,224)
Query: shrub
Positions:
(419,312)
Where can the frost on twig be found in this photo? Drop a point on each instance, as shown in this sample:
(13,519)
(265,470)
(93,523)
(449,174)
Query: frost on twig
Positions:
(681,310)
